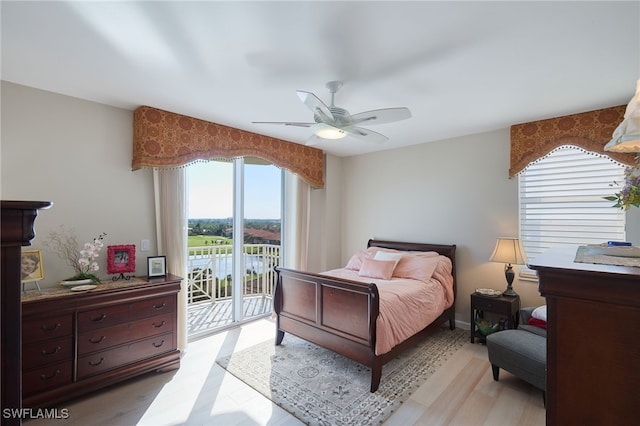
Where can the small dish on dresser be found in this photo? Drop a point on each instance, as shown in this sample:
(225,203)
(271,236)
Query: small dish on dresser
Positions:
(74,283)
(83,287)
(489,292)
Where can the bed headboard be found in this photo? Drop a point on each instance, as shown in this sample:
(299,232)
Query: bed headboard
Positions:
(443,249)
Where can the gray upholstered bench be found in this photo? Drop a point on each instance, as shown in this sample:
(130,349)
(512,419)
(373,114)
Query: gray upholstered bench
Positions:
(520,352)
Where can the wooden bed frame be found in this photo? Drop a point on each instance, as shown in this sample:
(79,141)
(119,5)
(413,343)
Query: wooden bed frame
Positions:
(340,314)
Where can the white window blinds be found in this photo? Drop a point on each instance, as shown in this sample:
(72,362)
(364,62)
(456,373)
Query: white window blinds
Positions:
(561,201)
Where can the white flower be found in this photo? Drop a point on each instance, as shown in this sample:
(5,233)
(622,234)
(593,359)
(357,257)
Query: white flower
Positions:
(65,245)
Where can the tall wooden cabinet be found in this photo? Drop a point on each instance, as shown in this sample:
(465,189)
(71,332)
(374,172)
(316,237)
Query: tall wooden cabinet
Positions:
(593,340)
(77,342)
(17,222)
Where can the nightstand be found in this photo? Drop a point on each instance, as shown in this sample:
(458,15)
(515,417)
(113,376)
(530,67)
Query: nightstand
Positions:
(506,307)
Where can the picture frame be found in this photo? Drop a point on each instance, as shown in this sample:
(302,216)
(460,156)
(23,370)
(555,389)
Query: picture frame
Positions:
(31,266)
(121,259)
(156,266)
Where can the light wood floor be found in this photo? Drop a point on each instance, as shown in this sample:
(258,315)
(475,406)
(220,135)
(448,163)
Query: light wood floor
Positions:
(461,392)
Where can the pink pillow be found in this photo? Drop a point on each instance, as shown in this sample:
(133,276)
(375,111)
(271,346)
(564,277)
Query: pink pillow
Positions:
(416,267)
(355,263)
(381,269)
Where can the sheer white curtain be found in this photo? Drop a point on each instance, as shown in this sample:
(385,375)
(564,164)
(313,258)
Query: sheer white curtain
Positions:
(297,201)
(170,191)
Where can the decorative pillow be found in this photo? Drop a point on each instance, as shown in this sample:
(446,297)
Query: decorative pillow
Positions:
(381,269)
(385,255)
(540,313)
(355,263)
(416,267)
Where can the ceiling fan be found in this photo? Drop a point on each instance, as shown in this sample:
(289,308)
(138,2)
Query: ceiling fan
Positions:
(332,122)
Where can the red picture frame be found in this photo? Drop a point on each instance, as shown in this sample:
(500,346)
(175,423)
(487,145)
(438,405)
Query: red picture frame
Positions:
(121,259)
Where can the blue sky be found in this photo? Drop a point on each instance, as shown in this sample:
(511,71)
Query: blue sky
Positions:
(211,191)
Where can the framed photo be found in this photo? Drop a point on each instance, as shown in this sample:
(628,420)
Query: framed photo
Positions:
(121,259)
(156,266)
(31,267)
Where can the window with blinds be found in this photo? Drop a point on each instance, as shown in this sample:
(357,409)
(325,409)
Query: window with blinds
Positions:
(561,202)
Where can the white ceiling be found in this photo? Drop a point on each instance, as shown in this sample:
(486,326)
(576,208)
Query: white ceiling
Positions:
(460,67)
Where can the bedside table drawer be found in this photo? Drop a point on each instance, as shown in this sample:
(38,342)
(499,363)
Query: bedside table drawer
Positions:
(486,303)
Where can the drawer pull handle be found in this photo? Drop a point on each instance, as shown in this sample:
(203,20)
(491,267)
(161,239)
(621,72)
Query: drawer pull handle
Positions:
(55,351)
(50,329)
(98,319)
(94,364)
(160,306)
(45,377)
(98,340)
(159,325)
(157,345)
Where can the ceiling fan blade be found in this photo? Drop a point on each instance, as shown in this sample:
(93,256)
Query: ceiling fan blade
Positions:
(285,123)
(380,116)
(313,141)
(316,105)
(365,134)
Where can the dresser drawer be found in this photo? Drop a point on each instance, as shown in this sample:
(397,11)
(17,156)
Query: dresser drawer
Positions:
(103,338)
(126,312)
(98,362)
(47,328)
(46,352)
(43,378)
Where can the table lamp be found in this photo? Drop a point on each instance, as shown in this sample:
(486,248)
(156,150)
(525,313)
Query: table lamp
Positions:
(509,250)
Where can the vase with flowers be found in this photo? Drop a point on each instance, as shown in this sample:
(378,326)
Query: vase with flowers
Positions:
(629,195)
(83,261)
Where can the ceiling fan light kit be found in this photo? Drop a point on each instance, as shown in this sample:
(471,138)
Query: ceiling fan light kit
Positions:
(332,122)
(326,131)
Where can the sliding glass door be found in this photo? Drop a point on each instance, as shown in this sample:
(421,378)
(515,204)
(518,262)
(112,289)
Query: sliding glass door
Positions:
(234,241)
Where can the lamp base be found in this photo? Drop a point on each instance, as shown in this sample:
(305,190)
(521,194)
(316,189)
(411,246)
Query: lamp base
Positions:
(509,275)
(509,292)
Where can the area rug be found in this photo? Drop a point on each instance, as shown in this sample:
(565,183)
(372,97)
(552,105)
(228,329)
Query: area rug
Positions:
(320,387)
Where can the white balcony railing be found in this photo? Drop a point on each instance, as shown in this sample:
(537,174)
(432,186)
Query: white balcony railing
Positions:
(211,271)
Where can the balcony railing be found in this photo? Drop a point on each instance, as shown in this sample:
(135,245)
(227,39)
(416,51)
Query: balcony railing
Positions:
(210,277)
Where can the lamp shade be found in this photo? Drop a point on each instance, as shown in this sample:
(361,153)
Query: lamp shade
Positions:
(327,131)
(626,137)
(509,250)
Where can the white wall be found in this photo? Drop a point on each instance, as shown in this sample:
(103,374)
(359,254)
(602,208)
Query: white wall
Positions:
(76,154)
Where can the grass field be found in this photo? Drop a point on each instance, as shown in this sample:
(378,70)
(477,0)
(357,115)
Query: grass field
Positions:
(207,240)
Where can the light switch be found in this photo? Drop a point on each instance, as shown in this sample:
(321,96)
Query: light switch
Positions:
(144,245)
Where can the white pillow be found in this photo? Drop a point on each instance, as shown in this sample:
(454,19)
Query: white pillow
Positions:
(540,313)
(385,255)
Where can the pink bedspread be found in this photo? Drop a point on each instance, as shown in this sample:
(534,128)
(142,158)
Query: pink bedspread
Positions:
(407,305)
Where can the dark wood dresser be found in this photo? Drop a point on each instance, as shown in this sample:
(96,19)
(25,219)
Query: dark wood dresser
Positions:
(77,342)
(18,218)
(593,340)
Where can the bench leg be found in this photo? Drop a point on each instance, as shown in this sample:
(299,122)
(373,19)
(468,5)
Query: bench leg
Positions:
(496,372)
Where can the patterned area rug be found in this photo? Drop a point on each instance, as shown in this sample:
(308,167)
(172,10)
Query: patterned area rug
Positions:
(320,387)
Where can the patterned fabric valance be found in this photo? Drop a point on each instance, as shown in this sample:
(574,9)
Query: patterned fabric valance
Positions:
(589,130)
(163,139)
